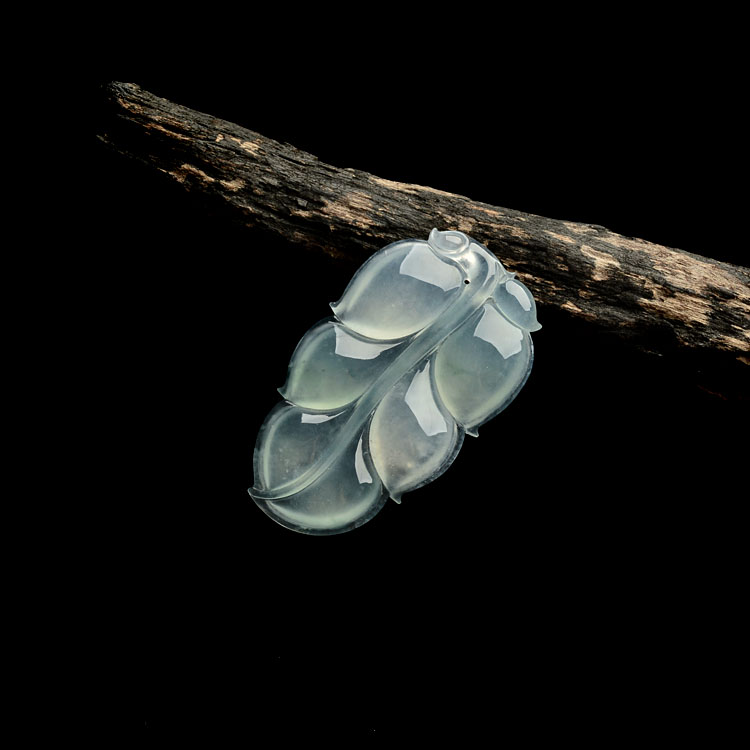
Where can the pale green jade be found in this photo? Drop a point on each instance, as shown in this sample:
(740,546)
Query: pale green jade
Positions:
(429,341)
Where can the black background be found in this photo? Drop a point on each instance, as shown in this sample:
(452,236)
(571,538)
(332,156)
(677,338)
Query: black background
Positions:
(569,575)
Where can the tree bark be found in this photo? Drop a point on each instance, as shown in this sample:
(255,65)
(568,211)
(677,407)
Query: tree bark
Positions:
(653,298)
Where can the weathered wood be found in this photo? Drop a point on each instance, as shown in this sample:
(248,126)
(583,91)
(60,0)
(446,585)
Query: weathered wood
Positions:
(657,299)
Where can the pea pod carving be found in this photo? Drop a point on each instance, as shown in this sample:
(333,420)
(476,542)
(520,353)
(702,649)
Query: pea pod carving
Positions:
(429,341)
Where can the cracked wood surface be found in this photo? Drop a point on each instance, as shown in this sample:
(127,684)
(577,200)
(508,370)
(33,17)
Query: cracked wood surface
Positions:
(657,299)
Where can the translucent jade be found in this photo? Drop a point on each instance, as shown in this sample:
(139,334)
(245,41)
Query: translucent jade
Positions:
(429,341)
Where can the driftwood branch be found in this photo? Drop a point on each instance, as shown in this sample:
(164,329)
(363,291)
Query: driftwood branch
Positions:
(657,299)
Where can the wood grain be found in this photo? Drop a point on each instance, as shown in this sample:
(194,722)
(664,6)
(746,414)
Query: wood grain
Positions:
(655,299)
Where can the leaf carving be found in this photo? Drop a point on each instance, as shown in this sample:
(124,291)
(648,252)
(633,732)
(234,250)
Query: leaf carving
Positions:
(431,339)
(332,366)
(481,366)
(398,291)
(412,437)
